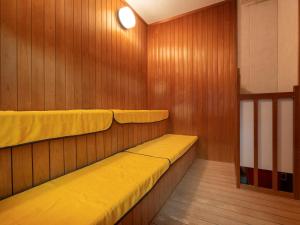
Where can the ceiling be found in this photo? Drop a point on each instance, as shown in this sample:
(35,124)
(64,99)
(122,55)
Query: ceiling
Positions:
(157,10)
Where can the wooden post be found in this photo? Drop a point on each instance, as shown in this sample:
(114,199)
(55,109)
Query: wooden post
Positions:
(237,155)
(296,180)
(275,148)
(256,142)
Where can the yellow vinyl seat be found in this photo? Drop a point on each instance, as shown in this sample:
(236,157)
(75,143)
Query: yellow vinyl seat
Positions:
(169,146)
(98,194)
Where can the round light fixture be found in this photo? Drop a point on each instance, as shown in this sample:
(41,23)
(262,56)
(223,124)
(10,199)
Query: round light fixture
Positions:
(127,17)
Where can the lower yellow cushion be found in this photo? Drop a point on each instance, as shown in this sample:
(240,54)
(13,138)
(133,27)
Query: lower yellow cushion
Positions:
(169,146)
(99,194)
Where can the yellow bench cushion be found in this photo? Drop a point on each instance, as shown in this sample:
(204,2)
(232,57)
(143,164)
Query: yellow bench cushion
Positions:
(140,116)
(169,146)
(25,127)
(98,194)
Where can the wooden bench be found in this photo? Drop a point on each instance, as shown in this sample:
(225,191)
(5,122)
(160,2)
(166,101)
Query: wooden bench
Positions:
(165,172)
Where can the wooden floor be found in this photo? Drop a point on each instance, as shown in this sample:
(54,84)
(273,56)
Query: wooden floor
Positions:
(207,195)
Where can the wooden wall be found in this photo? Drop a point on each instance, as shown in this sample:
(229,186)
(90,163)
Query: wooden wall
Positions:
(192,71)
(70,54)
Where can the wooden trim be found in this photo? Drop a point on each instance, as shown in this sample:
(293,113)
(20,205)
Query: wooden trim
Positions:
(267,191)
(275,147)
(296,177)
(255,143)
(261,96)
(237,155)
(187,13)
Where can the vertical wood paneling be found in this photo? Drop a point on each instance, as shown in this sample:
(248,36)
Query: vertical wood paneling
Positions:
(60,56)
(82,156)
(49,56)
(37,46)
(56,158)
(5,173)
(24,54)
(22,168)
(70,154)
(9,84)
(40,162)
(200,88)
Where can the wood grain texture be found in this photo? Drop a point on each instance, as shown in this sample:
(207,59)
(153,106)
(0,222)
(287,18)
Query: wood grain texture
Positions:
(192,71)
(22,168)
(216,200)
(70,54)
(297,142)
(5,173)
(40,162)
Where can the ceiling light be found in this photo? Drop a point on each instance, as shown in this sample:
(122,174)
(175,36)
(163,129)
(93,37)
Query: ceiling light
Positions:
(127,17)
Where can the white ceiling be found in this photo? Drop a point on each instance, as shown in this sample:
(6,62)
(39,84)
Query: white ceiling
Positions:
(156,10)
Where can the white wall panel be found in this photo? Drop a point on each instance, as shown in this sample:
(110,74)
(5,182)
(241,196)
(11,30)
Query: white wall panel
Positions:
(285,136)
(247,134)
(265,134)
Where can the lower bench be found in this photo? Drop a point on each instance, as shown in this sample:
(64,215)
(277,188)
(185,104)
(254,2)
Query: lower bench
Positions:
(105,191)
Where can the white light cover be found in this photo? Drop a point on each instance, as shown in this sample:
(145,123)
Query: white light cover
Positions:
(127,17)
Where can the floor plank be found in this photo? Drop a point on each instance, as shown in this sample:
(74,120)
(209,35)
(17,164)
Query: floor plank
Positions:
(207,195)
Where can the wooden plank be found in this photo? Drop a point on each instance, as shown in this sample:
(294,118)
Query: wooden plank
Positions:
(82,157)
(38,69)
(56,158)
(22,168)
(107,143)
(70,154)
(69,35)
(277,95)
(24,54)
(296,177)
(275,145)
(91,148)
(50,55)
(60,55)
(8,44)
(100,146)
(255,143)
(41,162)
(78,54)
(5,173)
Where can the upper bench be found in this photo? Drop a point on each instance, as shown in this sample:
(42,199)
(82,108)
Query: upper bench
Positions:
(140,116)
(21,127)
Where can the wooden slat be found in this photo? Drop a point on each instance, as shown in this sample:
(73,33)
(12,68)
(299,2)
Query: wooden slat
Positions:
(8,44)
(100,146)
(107,143)
(22,168)
(296,178)
(275,146)
(237,155)
(255,143)
(70,154)
(91,148)
(56,158)
(24,54)
(82,156)
(50,53)
(5,173)
(277,95)
(41,162)
(38,76)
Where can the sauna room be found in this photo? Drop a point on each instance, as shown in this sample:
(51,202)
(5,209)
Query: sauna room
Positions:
(149,112)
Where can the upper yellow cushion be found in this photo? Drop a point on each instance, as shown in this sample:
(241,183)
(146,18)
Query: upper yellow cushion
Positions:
(169,146)
(140,116)
(98,194)
(25,127)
